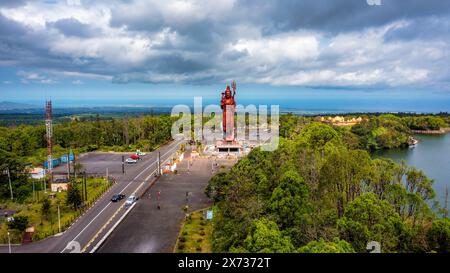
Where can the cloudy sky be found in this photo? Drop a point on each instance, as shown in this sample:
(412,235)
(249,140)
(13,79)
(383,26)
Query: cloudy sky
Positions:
(323,47)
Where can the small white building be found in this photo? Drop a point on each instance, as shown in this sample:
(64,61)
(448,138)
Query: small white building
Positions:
(37,173)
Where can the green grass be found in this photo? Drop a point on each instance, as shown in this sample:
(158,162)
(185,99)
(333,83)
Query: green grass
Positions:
(195,234)
(47,226)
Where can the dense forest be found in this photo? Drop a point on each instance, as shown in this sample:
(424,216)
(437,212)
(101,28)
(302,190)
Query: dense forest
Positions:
(125,134)
(322,192)
(375,132)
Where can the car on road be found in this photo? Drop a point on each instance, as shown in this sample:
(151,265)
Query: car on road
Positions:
(117,197)
(131,200)
(135,157)
(131,160)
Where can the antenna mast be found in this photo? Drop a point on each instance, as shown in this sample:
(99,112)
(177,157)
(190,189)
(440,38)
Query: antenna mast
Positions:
(49,134)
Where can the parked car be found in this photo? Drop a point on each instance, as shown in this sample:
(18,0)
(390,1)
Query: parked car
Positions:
(131,160)
(117,197)
(131,200)
(135,157)
(139,153)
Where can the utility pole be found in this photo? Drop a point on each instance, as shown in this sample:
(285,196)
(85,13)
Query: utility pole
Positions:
(34,192)
(68,167)
(59,220)
(159,163)
(85,187)
(10,185)
(123,164)
(74,171)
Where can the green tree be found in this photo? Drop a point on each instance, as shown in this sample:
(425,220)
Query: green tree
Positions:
(19,223)
(322,246)
(265,237)
(367,218)
(289,200)
(73,196)
(45,208)
(317,135)
(439,235)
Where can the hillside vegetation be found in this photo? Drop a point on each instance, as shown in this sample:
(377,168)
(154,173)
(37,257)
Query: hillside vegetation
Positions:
(322,192)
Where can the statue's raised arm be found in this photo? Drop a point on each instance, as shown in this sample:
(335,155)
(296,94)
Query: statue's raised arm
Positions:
(233,85)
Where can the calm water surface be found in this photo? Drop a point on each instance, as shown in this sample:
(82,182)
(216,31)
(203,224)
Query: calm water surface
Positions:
(431,155)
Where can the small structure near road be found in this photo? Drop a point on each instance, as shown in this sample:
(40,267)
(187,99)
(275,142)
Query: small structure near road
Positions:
(37,173)
(59,185)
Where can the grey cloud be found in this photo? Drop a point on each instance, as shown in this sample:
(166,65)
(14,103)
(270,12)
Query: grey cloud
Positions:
(424,28)
(12,3)
(73,27)
(339,16)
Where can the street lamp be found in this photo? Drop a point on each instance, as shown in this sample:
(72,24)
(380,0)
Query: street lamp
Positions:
(9,243)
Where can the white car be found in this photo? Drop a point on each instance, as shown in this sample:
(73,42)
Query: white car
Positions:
(131,200)
(139,153)
(130,161)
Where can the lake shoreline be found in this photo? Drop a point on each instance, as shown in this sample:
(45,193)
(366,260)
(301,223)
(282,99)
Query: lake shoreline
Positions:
(441,131)
(430,155)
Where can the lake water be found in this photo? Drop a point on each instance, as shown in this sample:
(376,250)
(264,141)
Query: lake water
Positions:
(431,155)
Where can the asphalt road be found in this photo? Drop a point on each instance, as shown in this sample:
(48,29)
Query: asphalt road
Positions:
(80,236)
(149,229)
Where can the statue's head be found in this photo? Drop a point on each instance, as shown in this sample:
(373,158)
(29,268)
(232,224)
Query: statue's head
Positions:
(228,92)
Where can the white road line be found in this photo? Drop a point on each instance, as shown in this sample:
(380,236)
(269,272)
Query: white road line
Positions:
(112,229)
(176,146)
(123,216)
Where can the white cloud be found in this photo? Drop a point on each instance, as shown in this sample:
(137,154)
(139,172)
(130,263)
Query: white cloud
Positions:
(33,77)
(292,47)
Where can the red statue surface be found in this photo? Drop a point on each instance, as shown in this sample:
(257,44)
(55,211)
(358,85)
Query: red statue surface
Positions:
(228,105)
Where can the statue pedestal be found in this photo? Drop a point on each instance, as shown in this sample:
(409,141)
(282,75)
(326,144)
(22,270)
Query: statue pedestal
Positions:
(224,146)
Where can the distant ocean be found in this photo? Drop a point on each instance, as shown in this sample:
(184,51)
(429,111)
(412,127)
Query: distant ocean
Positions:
(294,105)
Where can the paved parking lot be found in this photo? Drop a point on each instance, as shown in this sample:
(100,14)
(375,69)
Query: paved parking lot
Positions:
(98,162)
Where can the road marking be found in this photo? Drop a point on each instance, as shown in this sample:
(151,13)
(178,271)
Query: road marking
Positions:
(118,221)
(111,218)
(110,231)
(129,183)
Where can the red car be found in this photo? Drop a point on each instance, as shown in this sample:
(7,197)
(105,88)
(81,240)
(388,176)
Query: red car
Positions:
(135,157)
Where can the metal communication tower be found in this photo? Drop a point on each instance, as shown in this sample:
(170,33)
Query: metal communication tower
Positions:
(49,133)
